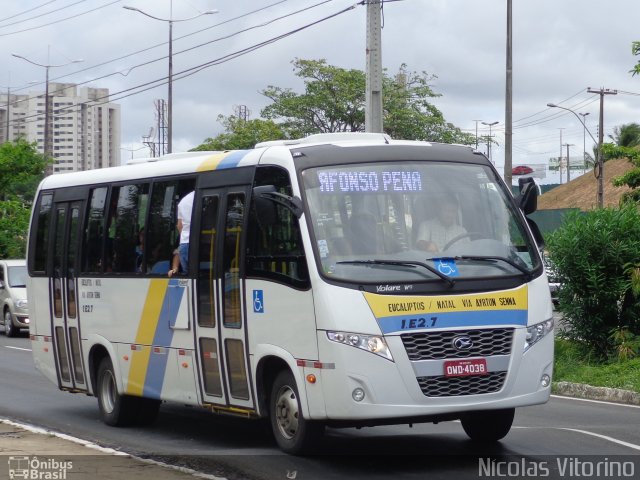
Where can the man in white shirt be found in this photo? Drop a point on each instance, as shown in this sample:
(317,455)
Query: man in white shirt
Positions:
(185,207)
(434,234)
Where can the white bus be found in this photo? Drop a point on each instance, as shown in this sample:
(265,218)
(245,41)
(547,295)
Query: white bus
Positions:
(309,298)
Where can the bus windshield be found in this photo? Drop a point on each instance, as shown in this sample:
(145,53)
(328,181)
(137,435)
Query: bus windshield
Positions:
(397,221)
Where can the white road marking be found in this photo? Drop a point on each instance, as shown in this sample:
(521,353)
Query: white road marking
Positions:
(18,348)
(43,431)
(604,437)
(596,401)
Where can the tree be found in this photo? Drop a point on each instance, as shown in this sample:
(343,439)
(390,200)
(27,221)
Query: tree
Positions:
(334,101)
(635,49)
(592,253)
(22,168)
(632,178)
(242,134)
(627,135)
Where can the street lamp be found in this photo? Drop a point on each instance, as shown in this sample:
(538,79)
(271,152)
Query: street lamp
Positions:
(584,143)
(600,161)
(170,21)
(490,138)
(47,147)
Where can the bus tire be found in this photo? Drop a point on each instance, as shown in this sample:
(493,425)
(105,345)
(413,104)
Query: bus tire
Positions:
(488,425)
(116,410)
(293,433)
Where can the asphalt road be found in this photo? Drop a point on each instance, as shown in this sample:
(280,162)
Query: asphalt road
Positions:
(558,437)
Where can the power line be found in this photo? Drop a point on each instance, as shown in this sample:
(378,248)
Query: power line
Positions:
(27,11)
(60,20)
(184,73)
(43,14)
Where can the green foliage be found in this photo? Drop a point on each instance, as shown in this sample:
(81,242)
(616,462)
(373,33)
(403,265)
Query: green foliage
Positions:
(241,134)
(574,364)
(14,224)
(635,49)
(334,101)
(22,168)
(627,135)
(626,344)
(592,253)
(632,177)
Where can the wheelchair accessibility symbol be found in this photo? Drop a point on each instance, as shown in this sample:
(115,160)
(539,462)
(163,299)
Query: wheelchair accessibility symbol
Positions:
(446,266)
(258,301)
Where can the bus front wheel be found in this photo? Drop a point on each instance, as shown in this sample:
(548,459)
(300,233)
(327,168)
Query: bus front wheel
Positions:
(488,425)
(293,433)
(115,409)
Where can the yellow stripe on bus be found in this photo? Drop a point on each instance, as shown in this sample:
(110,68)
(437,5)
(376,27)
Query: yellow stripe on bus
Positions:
(212,162)
(146,331)
(392,305)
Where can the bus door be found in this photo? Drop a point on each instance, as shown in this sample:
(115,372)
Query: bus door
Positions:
(63,295)
(221,338)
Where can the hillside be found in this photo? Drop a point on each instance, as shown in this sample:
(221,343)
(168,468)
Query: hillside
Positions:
(581,193)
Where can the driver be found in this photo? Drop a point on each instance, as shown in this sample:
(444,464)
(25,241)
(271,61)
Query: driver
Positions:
(434,234)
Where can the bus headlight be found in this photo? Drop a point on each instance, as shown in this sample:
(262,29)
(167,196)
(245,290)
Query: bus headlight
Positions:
(370,343)
(536,332)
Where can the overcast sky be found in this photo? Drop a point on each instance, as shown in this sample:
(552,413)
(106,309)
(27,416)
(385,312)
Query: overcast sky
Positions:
(560,48)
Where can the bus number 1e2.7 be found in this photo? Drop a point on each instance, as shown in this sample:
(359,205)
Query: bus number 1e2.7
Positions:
(419,322)
(87,308)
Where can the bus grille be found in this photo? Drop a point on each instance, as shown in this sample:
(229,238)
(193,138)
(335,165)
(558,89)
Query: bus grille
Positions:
(458,386)
(439,345)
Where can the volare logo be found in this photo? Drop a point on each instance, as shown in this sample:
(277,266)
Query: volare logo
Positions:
(387,288)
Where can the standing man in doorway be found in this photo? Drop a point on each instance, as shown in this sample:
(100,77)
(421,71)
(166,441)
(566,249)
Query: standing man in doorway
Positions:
(185,207)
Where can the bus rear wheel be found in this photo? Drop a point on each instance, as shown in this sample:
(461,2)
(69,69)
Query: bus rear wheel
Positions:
(293,433)
(488,425)
(116,410)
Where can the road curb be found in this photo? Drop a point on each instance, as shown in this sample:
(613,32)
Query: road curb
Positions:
(581,390)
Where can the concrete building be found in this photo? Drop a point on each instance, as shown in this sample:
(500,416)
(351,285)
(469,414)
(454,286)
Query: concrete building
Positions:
(84,128)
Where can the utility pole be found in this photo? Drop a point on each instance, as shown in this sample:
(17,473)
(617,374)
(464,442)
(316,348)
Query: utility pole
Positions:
(602,92)
(568,161)
(477,132)
(508,117)
(560,157)
(373,105)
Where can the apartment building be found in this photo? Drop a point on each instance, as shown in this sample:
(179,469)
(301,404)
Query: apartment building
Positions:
(84,128)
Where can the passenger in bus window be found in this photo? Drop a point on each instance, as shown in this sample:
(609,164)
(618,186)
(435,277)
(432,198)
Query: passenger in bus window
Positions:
(185,207)
(434,234)
(175,263)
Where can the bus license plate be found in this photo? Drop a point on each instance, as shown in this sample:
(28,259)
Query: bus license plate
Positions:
(465,368)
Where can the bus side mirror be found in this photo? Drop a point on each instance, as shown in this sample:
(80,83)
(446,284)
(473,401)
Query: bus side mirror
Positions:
(527,200)
(265,208)
(266,197)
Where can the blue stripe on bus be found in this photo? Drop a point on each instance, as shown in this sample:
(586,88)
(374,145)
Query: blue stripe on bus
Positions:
(232,160)
(163,337)
(426,321)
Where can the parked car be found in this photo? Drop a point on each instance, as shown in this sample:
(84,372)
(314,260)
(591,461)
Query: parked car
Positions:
(521,170)
(13,296)
(554,283)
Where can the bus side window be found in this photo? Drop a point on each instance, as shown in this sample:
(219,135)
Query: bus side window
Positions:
(162,235)
(43,219)
(127,214)
(275,251)
(94,231)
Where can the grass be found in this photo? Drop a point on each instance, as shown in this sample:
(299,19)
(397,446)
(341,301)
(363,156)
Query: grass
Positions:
(573,365)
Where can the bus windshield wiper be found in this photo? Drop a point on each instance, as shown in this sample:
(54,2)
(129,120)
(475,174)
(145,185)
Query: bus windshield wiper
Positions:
(438,274)
(489,258)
